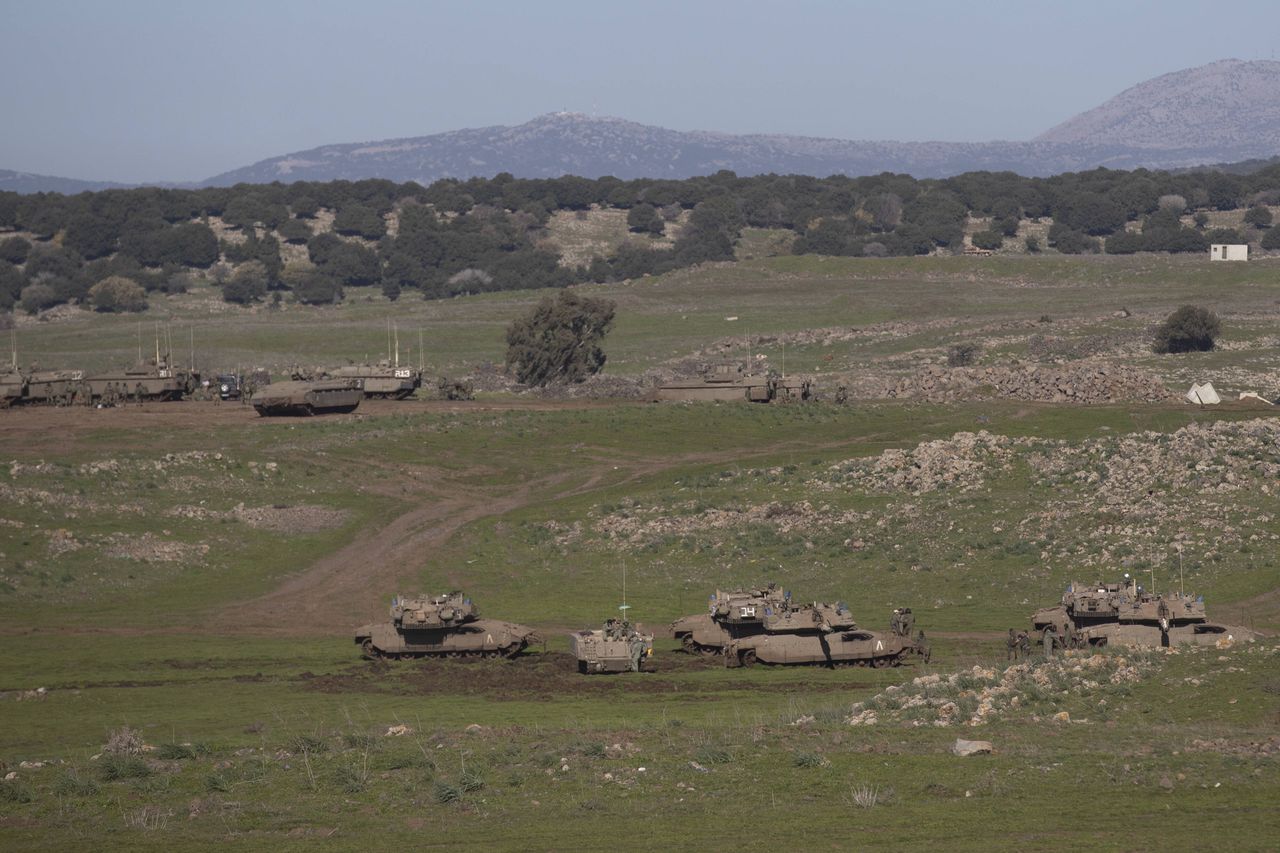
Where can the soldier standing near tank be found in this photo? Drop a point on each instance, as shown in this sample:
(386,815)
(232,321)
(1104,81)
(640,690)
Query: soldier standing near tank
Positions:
(1011,653)
(1050,640)
(1024,644)
(247,387)
(138,391)
(637,650)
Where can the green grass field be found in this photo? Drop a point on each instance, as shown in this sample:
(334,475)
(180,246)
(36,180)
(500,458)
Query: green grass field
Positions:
(193,573)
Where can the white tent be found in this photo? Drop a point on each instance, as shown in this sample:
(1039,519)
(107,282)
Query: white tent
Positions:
(1203,395)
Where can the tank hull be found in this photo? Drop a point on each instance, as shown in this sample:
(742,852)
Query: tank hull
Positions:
(838,648)
(1148,636)
(307,398)
(483,638)
(49,386)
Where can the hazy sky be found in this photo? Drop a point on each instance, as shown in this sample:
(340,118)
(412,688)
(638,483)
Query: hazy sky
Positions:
(135,90)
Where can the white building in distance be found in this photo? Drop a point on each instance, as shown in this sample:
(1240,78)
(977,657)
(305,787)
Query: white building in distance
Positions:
(1229,252)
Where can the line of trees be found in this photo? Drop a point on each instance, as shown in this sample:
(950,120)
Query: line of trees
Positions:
(457,237)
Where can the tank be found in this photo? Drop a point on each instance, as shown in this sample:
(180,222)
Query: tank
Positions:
(1126,614)
(326,396)
(732,381)
(13,387)
(441,626)
(383,380)
(617,647)
(155,379)
(765,626)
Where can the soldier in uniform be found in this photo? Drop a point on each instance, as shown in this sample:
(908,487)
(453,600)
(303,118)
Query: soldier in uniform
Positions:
(137,394)
(1011,653)
(1050,640)
(637,650)
(1024,644)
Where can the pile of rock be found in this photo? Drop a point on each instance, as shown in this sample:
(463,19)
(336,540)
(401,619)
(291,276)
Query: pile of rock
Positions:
(1086,383)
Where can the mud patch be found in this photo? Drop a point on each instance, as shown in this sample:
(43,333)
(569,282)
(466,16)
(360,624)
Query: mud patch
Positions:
(540,677)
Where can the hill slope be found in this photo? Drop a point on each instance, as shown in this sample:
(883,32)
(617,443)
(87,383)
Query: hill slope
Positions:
(1228,105)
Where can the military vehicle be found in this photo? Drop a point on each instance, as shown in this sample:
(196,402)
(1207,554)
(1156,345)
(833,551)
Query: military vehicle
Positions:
(820,633)
(736,613)
(1126,614)
(153,379)
(324,396)
(227,386)
(618,647)
(53,386)
(441,626)
(731,381)
(13,387)
(764,625)
(384,380)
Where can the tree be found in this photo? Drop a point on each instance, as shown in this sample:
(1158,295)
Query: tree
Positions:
(644,219)
(1271,240)
(117,293)
(1189,329)
(989,240)
(358,220)
(91,236)
(14,250)
(559,340)
(316,288)
(248,284)
(295,231)
(37,297)
(1258,216)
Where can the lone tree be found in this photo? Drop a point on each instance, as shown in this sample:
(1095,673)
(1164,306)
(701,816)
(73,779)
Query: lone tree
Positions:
(1189,329)
(559,340)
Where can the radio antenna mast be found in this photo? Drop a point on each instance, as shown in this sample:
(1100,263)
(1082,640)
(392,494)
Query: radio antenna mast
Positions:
(395,329)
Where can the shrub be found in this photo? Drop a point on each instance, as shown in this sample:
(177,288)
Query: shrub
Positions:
(115,767)
(1189,329)
(1032,244)
(248,284)
(117,293)
(960,355)
(14,791)
(72,784)
(1271,240)
(14,250)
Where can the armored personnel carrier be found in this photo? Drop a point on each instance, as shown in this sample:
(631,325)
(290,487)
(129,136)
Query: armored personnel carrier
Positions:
(731,381)
(154,379)
(618,647)
(441,626)
(324,396)
(1126,614)
(736,613)
(384,380)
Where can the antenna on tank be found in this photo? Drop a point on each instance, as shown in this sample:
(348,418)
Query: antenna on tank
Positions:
(139,342)
(1153,580)
(624,607)
(13,342)
(192,330)
(1182,588)
(388,340)
(422,365)
(395,330)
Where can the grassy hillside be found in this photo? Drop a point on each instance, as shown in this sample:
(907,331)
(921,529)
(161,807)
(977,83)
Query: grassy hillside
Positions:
(193,572)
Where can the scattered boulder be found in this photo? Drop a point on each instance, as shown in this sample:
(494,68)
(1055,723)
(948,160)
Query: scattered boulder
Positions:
(965,748)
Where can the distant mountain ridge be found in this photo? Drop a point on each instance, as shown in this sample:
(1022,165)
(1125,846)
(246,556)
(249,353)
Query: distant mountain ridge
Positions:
(1223,112)
(1229,105)
(25,182)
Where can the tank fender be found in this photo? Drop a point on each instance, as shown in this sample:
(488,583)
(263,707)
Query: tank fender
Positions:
(387,638)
